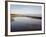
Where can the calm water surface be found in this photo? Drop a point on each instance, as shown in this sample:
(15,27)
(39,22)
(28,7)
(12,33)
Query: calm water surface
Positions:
(25,24)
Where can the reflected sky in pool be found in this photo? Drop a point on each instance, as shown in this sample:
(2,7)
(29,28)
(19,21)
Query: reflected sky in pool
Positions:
(25,24)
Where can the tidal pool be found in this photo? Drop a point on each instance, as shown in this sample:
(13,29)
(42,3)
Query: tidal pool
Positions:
(25,24)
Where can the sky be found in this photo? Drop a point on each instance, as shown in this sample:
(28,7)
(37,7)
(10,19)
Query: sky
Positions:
(25,9)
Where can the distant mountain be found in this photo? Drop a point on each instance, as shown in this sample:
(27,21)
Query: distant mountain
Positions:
(35,15)
(27,15)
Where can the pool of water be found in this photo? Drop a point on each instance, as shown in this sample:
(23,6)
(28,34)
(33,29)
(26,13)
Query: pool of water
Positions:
(25,24)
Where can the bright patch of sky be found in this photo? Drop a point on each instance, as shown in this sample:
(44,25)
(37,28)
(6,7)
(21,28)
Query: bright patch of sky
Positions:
(25,9)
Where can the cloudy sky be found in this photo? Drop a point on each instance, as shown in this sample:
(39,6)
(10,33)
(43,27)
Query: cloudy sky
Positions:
(25,9)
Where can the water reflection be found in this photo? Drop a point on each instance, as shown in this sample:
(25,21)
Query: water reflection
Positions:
(25,24)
